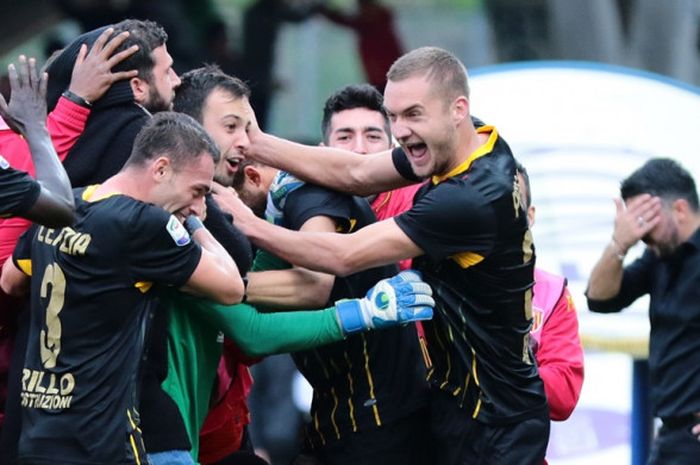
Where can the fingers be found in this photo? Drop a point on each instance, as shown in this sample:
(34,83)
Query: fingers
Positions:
(99,44)
(43,85)
(81,55)
(13,75)
(121,56)
(33,75)
(23,71)
(409,275)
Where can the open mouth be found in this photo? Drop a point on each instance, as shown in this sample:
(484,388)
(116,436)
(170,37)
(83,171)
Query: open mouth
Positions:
(417,151)
(233,163)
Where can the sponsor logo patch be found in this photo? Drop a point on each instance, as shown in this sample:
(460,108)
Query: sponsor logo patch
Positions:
(178,232)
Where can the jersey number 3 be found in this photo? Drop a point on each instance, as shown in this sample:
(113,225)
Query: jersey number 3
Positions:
(50,338)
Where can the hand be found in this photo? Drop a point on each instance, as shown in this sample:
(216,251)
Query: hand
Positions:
(229,202)
(634,221)
(696,431)
(393,301)
(92,73)
(27,98)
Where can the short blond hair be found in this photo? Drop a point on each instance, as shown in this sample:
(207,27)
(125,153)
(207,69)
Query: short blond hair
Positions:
(438,65)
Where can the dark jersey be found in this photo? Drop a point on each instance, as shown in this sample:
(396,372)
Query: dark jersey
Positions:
(18,191)
(479,260)
(368,379)
(93,286)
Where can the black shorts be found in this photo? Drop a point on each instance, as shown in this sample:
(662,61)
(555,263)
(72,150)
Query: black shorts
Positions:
(460,440)
(404,442)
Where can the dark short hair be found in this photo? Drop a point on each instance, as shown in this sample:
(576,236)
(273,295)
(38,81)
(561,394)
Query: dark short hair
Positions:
(148,35)
(198,83)
(175,135)
(350,97)
(664,178)
(520,169)
(438,65)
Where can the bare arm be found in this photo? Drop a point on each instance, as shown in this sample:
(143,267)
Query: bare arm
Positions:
(26,115)
(216,276)
(606,276)
(13,282)
(334,168)
(295,287)
(378,244)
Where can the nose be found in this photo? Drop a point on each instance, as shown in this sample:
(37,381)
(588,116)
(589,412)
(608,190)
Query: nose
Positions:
(360,145)
(175,79)
(243,141)
(400,131)
(198,207)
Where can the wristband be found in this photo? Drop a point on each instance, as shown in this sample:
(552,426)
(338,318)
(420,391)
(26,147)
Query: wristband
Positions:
(77,99)
(193,223)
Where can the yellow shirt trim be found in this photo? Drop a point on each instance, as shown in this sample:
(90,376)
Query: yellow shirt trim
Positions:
(482,150)
(25,265)
(90,191)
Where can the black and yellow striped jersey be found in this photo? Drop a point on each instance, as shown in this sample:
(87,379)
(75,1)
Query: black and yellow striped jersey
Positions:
(18,191)
(93,285)
(479,259)
(369,379)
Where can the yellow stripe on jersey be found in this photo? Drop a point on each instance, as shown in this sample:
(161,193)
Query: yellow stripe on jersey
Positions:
(132,440)
(478,153)
(318,429)
(467,259)
(335,408)
(377,418)
(351,385)
(447,354)
(25,265)
(143,286)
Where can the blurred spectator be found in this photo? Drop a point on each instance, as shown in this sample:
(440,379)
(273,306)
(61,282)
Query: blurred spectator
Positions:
(377,41)
(261,26)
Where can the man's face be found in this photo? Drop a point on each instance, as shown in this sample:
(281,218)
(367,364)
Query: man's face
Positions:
(182,190)
(421,122)
(360,130)
(227,119)
(164,80)
(664,238)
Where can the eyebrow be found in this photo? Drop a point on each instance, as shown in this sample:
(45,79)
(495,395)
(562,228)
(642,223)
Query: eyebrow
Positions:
(363,129)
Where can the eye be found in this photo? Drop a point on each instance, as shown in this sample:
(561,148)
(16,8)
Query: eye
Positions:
(374,137)
(231,127)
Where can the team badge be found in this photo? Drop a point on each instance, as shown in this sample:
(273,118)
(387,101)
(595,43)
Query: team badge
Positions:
(3,163)
(177,231)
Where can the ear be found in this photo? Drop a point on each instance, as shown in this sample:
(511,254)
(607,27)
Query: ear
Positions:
(161,168)
(531,216)
(140,89)
(460,109)
(252,175)
(680,209)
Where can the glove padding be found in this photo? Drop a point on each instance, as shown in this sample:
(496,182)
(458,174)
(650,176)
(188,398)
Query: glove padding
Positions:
(392,301)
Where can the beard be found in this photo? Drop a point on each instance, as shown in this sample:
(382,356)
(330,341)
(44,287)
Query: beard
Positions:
(156,102)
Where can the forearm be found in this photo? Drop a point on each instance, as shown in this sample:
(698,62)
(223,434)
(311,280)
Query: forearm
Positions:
(55,204)
(291,288)
(606,276)
(209,244)
(324,252)
(334,168)
(259,334)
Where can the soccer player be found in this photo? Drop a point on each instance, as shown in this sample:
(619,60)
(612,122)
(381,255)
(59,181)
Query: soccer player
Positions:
(470,238)
(95,283)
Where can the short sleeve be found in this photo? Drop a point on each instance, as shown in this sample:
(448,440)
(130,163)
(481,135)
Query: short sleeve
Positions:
(402,165)
(160,249)
(309,201)
(22,255)
(18,191)
(448,219)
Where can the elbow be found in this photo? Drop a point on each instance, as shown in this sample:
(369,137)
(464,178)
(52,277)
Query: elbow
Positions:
(13,289)
(233,294)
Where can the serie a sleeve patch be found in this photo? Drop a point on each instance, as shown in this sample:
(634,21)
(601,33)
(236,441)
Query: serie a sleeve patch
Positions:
(178,232)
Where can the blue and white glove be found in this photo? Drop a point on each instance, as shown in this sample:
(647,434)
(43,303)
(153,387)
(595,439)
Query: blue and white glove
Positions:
(392,301)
